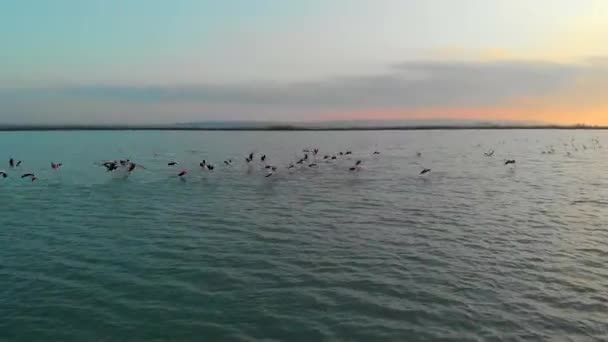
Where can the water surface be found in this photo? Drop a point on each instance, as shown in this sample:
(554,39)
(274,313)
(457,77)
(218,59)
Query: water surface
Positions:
(472,251)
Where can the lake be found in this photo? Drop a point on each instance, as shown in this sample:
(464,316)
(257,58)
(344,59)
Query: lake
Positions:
(473,250)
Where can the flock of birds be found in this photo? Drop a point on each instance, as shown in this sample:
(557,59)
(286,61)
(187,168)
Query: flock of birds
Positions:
(12,164)
(309,159)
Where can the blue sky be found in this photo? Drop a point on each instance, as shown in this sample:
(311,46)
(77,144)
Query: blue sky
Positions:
(125,61)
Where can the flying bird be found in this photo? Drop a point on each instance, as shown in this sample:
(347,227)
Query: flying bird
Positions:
(356,167)
(425,171)
(29,175)
(271,171)
(110,165)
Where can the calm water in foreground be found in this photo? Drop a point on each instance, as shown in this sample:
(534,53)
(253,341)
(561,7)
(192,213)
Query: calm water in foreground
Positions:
(473,251)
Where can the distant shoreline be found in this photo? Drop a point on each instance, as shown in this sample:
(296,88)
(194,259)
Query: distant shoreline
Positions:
(287,128)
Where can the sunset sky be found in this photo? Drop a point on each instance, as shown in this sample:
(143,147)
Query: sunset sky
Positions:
(157,61)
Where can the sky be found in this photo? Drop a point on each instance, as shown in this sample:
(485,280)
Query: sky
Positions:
(158,61)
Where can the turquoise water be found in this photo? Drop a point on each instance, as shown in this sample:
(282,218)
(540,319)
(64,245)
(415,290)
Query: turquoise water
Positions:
(472,251)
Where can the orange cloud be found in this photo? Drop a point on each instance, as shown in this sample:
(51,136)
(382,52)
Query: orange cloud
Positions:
(535,114)
(582,100)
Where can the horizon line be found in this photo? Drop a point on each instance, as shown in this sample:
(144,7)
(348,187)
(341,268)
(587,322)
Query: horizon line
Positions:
(287,127)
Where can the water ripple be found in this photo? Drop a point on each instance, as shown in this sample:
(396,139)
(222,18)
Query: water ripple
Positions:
(470,252)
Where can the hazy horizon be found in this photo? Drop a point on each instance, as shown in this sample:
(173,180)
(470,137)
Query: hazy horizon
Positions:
(361,122)
(155,62)
(316,124)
